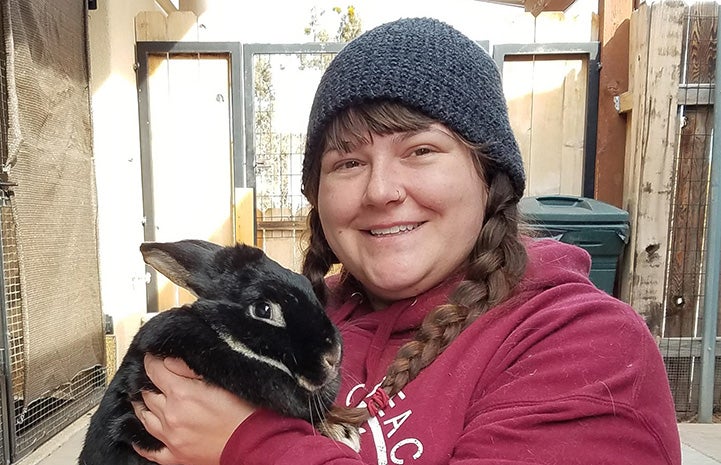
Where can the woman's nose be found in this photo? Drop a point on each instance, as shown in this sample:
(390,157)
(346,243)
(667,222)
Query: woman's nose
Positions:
(384,187)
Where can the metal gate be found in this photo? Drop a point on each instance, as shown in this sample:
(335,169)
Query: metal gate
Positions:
(280,82)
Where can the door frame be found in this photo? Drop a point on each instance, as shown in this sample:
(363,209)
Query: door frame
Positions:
(143,50)
(235,82)
(591,50)
(249,50)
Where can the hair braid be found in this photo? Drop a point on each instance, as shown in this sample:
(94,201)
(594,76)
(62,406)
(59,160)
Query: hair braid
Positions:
(318,257)
(496,266)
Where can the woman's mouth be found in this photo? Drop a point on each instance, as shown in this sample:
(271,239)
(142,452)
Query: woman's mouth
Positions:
(397,229)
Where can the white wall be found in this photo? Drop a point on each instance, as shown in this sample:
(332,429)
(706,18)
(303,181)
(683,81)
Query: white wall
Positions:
(117,162)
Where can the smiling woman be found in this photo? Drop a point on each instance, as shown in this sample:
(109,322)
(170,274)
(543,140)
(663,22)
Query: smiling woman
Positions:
(392,203)
(464,342)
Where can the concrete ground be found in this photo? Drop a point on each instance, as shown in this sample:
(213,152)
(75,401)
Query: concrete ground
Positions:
(701,445)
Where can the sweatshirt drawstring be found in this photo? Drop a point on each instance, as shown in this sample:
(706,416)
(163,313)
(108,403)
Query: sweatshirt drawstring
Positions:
(375,371)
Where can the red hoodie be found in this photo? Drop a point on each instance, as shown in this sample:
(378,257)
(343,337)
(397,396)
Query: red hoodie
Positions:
(561,373)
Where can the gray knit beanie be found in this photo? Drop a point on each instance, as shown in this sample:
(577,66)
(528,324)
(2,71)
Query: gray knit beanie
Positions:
(426,65)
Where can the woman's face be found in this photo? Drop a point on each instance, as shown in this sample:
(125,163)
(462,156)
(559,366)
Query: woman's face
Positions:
(403,211)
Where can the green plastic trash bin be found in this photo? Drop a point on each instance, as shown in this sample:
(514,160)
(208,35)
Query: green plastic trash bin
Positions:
(599,228)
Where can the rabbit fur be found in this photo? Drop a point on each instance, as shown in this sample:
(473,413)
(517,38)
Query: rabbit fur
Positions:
(256,330)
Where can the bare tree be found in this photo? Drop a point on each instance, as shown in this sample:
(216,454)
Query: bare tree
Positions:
(349,27)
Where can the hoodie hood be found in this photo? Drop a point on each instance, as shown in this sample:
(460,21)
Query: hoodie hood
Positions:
(383,331)
(550,264)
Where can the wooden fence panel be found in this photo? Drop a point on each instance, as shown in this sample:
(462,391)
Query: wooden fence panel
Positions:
(653,129)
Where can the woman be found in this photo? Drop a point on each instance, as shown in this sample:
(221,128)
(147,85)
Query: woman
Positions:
(464,342)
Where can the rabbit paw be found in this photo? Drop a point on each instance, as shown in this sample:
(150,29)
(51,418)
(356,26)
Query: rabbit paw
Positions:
(341,432)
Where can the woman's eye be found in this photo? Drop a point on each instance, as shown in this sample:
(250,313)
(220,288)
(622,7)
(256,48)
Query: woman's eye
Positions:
(268,312)
(422,151)
(347,164)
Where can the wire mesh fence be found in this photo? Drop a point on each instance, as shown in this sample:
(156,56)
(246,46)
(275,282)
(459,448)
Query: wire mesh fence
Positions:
(683,323)
(280,109)
(29,424)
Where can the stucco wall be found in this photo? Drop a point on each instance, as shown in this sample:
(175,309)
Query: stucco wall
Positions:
(117,161)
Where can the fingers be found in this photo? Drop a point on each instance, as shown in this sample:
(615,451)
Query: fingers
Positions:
(138,407)
(150,412)
(153,367)
(154,426)
(179,367)
(161,457)
(192,418)
(154,401)
(150,420)
(165,373)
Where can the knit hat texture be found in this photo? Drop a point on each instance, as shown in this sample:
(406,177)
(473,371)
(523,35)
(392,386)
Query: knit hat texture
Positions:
(431,67)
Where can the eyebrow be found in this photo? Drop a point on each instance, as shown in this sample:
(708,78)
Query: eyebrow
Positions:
(405,135)
(402,136)
(323,155)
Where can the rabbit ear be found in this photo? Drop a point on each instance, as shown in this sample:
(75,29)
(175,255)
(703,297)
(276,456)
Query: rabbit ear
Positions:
(187,263)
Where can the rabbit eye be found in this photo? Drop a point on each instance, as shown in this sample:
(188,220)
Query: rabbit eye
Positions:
(268,312)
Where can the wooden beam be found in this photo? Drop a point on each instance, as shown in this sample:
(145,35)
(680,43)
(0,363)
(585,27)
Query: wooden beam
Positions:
(535,7)
(696,94)
(654,141)
(624,102)
(614,24)
(244,216)
(637,62)
(166,5)
(687,95)
(150,26)
(182,25)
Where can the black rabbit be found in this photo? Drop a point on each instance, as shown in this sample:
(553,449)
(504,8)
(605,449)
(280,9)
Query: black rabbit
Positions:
(257,330)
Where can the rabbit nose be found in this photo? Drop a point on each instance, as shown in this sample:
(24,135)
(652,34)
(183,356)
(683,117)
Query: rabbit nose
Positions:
(332,358)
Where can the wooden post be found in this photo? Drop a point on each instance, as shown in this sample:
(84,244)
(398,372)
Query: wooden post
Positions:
(614,22)
(244,216)
(182,25)
(177,26)
(149,26)
(655,61)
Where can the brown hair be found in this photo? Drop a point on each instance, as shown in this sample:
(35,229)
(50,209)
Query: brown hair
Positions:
(495,265)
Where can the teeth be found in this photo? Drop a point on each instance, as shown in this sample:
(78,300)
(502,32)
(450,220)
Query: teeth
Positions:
(394,229)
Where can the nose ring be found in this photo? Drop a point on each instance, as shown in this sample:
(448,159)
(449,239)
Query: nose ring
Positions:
(398,195)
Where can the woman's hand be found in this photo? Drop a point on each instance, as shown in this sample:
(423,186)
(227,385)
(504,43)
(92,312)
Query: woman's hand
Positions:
(192,418)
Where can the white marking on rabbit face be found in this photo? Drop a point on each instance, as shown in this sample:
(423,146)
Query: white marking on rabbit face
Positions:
(268,312)
(244,350)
